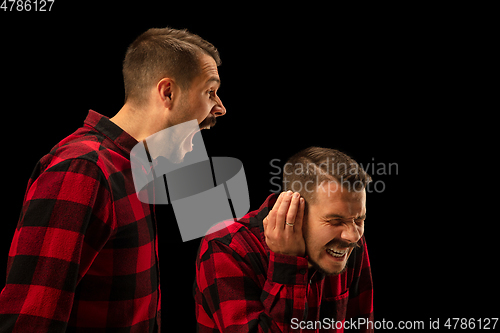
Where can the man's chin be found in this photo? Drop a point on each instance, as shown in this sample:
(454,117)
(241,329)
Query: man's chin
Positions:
(328,269)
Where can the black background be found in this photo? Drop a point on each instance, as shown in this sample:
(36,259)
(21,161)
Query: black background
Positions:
(372,85)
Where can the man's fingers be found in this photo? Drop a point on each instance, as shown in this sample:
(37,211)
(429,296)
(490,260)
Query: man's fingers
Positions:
(271,217)
(300,215)
(281,214)
(292,210)
(280,237)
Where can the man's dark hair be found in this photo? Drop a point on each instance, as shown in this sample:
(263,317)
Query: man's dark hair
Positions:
(309,168)
(160,53)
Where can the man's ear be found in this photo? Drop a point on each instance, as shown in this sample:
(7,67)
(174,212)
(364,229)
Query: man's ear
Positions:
(165,89)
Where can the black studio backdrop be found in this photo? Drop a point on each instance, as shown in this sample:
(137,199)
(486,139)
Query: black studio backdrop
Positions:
(287,84)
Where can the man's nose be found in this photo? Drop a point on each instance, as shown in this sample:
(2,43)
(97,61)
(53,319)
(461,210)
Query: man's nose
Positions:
(350,233)
(218,109)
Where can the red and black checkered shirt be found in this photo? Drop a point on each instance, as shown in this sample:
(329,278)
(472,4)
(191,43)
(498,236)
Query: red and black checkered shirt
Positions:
(84,253)
(242,286)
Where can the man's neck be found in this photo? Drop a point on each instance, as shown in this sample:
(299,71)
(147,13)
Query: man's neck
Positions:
(137,122)
(172,144)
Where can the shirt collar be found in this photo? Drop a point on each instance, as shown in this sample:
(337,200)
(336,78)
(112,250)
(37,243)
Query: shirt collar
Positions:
(270,201)
(102,124)
(256,217)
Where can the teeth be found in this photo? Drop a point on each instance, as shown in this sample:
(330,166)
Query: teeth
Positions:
(336,253)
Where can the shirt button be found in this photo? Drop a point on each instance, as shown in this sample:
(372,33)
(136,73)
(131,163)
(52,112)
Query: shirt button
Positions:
(302,271)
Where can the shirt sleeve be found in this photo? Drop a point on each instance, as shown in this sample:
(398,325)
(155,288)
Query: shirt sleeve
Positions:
(60,231)
(231,297)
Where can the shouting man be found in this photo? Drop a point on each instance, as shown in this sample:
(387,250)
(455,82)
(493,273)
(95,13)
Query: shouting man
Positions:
(299,262)
(83,257)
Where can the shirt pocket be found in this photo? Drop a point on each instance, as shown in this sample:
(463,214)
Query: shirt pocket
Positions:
(334,308)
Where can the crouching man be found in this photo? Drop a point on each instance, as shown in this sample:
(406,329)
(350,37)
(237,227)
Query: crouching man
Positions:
(297,264)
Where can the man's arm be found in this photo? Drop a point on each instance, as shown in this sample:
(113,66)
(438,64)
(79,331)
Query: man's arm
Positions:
(230,295)
(229,284)
(53,246)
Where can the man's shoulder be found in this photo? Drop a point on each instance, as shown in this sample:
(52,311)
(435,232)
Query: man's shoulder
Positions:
(81,144)
(247,228)
(234,236)
(74,159)
(230,233)
(88,146)
(230,246)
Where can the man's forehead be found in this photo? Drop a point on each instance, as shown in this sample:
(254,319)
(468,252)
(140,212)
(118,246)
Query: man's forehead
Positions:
(333,190)
(338,200)
(209,69)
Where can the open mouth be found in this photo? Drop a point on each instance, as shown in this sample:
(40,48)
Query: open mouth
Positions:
(208,122)
(337,254)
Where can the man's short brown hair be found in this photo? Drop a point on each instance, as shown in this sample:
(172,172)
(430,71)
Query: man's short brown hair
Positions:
(305,171)
(160,53)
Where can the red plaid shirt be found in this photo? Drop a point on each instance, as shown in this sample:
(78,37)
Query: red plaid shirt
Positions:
(242,286)
(84,254)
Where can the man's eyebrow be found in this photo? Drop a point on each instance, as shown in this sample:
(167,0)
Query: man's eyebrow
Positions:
(338,216)
(332,216)
(213,79)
